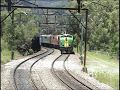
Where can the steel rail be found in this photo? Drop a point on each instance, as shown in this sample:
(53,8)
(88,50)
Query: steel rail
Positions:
(66,71)
(15,83)
(53,71)
(34,64)
(76,78)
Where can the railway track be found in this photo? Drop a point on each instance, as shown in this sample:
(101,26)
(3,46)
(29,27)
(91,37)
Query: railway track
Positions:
(28,64)
(95,88)
(65,77)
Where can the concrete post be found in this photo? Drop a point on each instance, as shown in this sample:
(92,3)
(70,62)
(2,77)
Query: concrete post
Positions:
(85,68)
(12,51)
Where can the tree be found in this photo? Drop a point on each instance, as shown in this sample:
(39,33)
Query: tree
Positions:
(25,28)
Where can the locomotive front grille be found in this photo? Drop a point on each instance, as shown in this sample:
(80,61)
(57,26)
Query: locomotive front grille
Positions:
(66,43)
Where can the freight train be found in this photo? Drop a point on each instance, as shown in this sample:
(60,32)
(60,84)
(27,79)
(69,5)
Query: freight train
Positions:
(63,42)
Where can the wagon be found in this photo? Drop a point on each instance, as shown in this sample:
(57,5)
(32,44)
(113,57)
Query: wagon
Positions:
(55,41)
(46,40)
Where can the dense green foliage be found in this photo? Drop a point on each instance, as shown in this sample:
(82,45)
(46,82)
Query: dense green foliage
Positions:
(21,31)
(103,25)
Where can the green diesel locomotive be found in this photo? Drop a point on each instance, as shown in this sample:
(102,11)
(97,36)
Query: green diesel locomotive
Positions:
(66,43)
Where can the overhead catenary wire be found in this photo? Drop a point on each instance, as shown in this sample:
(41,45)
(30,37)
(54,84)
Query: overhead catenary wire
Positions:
(77,19)
(43,11)
(10,12)
(36,6)
(8,15)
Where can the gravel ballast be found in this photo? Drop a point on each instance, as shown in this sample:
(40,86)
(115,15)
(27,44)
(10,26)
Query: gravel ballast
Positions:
(43,68)
(74,68)
(7,71)
(42,75)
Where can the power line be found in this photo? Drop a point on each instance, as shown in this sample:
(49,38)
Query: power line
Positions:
(77,19)
(8,15)
(10,12)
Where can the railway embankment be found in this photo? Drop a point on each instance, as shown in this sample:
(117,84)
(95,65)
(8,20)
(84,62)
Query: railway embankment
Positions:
(44,78)
(7,70)
(73,65)
(104,68)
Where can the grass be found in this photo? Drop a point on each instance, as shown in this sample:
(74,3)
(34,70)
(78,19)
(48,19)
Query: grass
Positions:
(6,56)
(103,67)
(103,57)
(108,78)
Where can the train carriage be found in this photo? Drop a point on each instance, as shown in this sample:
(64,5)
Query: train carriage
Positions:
(46,40)
(55,41)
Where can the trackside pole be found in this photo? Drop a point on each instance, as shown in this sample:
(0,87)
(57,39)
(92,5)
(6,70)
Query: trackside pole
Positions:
(12,51)
(85,68)
(81,40)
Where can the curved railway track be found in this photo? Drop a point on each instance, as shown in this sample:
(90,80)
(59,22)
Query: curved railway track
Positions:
(65,77)
(34,64)
(38,57)
(76,78)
